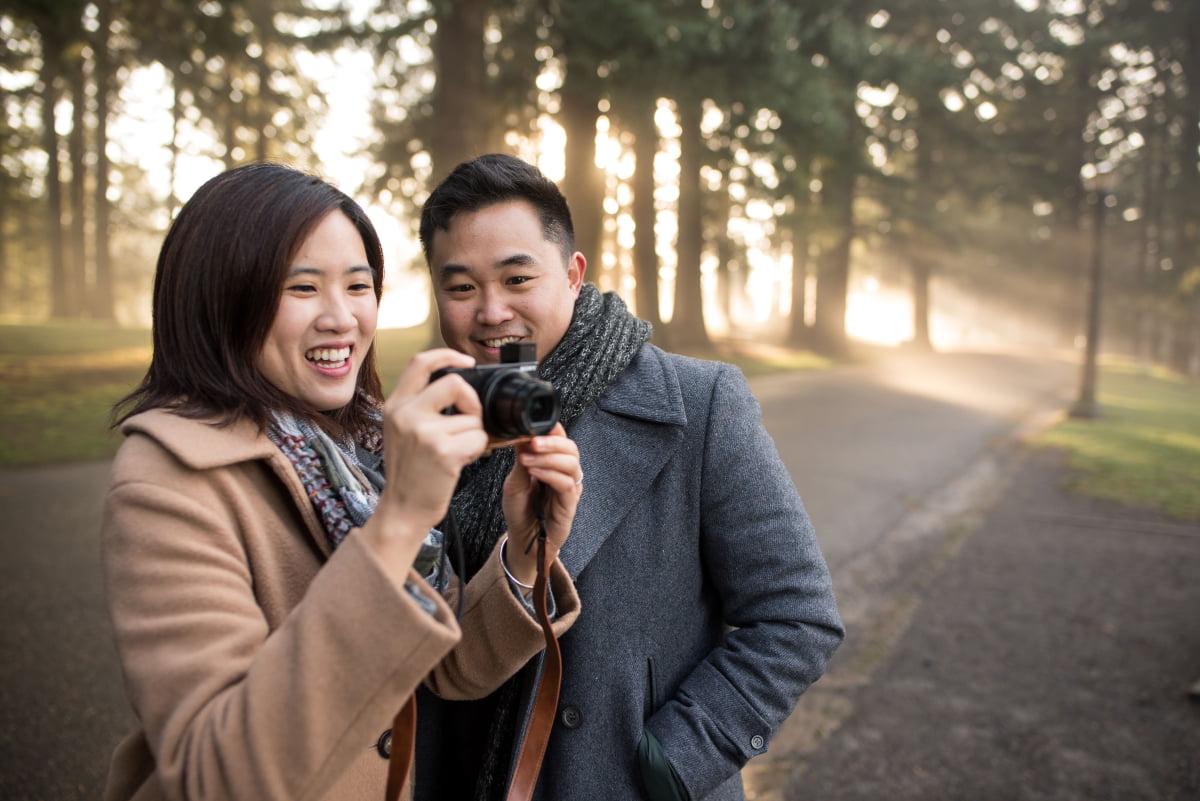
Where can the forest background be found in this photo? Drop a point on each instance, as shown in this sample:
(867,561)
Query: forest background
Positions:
(920,171)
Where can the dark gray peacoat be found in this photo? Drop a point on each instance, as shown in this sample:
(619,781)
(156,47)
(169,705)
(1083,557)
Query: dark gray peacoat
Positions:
(707,607)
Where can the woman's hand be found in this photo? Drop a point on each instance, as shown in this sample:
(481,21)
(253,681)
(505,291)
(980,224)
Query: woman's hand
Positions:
(549,462)
(424,452)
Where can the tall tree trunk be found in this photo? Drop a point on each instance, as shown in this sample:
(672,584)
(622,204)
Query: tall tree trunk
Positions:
(173,148)
(583,183)
(76,256)
(229,133)
(921,275)
(6,292)
(1152,183)
(687,320)
(729,267)
(645,252)
(458,97)
(103,301)
(459,94)
(920,270)
(60,302)
(260,114)
(833,279)
(798,334)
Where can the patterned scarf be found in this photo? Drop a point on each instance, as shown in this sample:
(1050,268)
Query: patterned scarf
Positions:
(342,480)
(600,343)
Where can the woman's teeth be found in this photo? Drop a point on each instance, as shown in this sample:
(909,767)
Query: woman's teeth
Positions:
(328,357)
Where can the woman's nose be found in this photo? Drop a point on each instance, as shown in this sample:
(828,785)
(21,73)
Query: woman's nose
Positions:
(336,314)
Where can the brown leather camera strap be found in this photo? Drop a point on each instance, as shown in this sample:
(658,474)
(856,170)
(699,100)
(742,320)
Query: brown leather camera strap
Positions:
(545,702)
(404,741)
(537,734)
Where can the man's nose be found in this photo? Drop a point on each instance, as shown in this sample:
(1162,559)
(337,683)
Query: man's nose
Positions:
(493,308)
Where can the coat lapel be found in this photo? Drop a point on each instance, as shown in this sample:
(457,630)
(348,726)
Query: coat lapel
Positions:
(624,441)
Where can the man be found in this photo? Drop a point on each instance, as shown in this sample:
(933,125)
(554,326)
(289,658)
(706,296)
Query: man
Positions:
(706,604)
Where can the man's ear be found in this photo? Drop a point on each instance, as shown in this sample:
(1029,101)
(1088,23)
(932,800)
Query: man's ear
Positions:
(576,268)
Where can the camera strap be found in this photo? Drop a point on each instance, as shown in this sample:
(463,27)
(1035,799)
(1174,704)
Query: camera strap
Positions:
(545,702)
(404,742)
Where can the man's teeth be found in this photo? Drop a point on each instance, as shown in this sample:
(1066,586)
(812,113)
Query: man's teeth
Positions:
(328,355)
(496,343)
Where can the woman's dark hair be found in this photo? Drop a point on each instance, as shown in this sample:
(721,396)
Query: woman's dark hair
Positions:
(217,288)
(495,178)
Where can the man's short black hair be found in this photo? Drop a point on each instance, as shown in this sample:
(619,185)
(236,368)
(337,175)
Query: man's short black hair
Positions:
(496,178)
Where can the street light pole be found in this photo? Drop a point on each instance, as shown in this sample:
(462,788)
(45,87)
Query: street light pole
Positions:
(1086,405)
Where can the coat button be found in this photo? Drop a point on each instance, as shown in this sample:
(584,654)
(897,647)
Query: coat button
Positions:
(384,744)
(757,742)
(571,717)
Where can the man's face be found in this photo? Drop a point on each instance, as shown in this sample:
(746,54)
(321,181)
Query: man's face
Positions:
(497,279)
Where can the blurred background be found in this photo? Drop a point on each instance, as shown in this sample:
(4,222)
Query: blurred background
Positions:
(894,171)
(996,198)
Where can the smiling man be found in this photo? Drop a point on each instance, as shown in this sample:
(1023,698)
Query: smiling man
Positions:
(707,607)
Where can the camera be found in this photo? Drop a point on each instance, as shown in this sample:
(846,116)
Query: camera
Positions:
(516,403)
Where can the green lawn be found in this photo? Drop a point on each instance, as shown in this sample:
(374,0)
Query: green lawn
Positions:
(1144,449)
(58,383)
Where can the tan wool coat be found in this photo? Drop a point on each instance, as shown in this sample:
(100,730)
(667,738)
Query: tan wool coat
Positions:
(259,664)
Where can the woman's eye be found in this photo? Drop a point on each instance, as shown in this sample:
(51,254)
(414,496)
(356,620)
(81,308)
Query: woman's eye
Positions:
(302,288)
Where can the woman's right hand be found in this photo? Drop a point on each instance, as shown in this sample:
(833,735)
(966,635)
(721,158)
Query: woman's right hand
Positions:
(424,452)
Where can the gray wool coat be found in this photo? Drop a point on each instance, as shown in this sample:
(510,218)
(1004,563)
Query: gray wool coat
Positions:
(707,607)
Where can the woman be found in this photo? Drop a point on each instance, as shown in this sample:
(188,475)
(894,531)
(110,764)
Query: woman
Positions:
(274,602)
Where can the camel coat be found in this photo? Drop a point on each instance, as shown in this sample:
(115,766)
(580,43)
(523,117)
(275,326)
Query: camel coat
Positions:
(261,665)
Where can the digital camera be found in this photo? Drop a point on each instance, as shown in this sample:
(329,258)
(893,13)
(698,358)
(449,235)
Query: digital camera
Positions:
(516,403)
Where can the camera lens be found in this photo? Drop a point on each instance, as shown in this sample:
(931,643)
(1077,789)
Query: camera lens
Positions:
(518,405)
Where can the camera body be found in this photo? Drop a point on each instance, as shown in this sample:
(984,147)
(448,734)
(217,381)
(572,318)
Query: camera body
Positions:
(516,403)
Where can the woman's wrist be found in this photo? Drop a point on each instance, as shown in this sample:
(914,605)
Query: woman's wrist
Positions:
(522,575)
(394,539)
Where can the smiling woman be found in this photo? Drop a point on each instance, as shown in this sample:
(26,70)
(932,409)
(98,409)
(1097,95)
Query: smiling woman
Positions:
(252,478)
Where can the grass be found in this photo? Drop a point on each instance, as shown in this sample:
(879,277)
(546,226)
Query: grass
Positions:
(58,383)
(1144,449)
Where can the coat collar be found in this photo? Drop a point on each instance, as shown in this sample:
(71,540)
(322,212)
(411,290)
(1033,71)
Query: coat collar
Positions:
(647,390)
(201,444)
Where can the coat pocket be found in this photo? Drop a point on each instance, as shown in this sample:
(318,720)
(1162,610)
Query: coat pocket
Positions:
(652,695)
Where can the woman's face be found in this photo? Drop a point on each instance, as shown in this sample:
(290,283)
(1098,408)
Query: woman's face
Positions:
(326,318)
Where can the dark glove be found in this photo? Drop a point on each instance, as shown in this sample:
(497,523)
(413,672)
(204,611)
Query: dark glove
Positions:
(657,774)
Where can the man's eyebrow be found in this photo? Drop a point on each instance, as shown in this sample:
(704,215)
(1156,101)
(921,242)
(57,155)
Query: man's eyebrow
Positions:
(515,260)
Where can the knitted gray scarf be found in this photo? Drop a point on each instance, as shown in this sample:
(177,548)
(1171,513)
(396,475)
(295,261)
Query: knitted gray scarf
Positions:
(600,343)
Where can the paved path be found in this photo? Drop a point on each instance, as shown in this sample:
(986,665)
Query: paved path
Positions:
(1046,655)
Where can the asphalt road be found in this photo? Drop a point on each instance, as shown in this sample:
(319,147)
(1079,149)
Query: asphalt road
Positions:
(887,455)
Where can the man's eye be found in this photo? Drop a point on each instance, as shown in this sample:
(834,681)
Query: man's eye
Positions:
(519,279)
(459,288)
(361,287)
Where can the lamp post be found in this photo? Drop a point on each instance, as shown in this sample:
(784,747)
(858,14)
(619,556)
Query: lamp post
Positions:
(1100,184)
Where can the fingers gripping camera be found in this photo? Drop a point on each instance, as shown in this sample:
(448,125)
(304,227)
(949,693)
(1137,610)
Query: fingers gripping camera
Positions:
(516,403)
